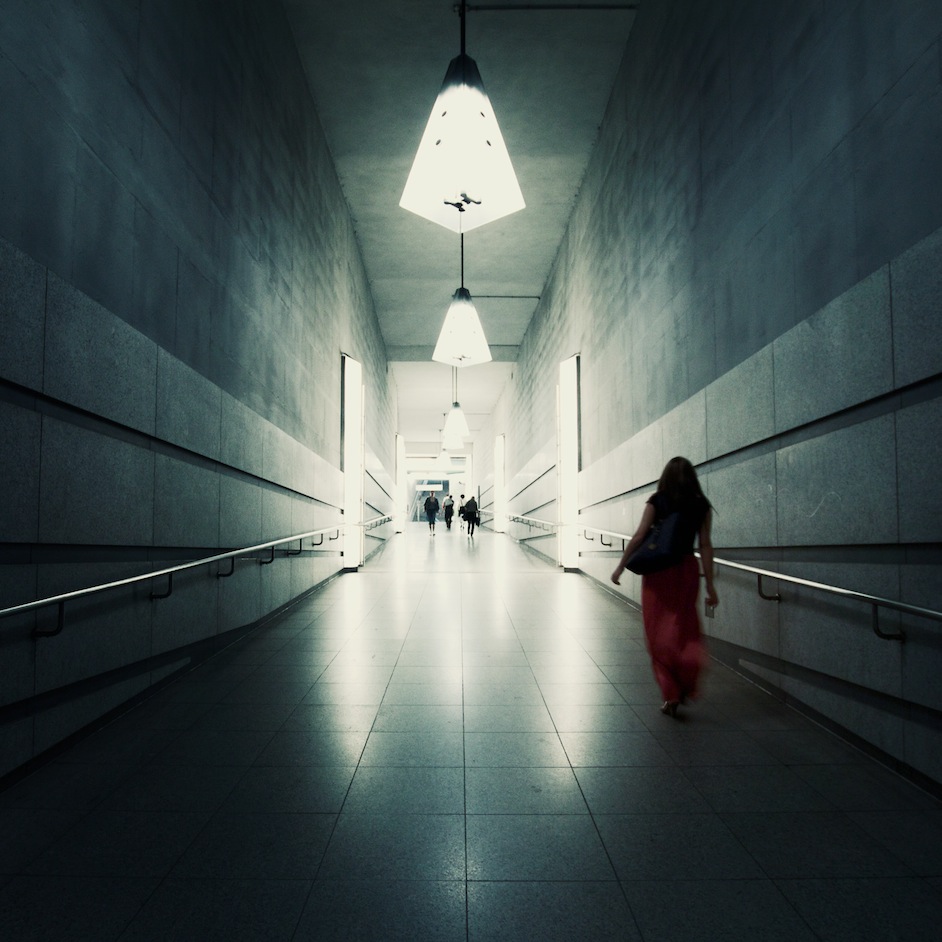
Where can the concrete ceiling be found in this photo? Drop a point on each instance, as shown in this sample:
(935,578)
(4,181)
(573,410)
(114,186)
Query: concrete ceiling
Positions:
(374,70)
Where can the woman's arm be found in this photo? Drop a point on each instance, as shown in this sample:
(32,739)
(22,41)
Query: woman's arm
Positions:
(706,559)
(647,521)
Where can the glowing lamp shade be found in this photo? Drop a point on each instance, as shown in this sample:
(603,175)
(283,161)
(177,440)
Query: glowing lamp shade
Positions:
(462,341)
(462,177)
(451,443)
(456,429)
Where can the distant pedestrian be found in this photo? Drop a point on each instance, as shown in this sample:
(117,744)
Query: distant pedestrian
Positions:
(431,511)
(448,508)
(471,514)
(461,510)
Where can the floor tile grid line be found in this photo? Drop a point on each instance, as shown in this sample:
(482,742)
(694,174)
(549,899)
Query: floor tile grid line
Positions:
(336,655)
(621,883)
(778,882)
(779,704)
(714,813)
(467,898)
(579,785)
(852,825)
(128,770)
(333,829)
(468,881)
(836,809)
(257,633)
(163,881)
(556,725)
(464,780)
(768,878)
(336,823)
(160,884)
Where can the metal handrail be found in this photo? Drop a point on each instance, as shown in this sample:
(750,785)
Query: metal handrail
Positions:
(60,600)
(876,602)
(618,536)
(533,522)
(375,522)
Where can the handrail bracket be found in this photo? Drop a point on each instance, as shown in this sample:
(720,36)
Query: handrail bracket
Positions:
(769,598)
(164,595)
(880,633)
(37,632)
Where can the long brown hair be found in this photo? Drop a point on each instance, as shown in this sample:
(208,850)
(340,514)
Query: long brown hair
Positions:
(679,482)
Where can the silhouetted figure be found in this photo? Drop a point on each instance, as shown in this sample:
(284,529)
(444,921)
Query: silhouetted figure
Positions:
(471,514)
(431,510)
(448,509)
(669,597)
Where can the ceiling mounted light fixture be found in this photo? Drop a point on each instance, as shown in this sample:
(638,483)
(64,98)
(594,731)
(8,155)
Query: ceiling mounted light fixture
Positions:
(462,341)
(462,176)
(456,430)
(456,425)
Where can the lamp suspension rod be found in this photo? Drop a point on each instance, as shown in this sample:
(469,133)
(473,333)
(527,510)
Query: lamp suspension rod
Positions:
(462,259)
(551,6)
(461,13)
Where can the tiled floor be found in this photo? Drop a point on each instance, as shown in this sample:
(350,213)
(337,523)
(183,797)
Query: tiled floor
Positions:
(460,742)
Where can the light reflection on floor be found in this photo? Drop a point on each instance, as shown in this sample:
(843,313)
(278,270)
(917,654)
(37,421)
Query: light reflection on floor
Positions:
(460,742)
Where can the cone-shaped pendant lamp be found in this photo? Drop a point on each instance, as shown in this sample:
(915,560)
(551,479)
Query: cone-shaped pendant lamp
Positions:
(462,341)
(456,425)
(462,176)
(456,429)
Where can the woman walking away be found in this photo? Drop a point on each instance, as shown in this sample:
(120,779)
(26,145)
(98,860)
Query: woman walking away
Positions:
(669,597)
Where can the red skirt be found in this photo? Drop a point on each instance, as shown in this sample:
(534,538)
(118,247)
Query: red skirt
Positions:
(672,628)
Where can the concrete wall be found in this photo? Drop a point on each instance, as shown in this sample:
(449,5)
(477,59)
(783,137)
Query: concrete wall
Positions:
(751,277)
(178,278)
